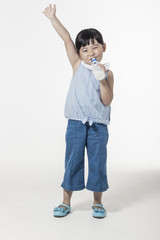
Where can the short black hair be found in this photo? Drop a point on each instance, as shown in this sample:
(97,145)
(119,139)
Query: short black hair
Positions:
(83,38)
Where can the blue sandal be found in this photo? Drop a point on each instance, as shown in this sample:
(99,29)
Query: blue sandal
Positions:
(61,211)
(98,213)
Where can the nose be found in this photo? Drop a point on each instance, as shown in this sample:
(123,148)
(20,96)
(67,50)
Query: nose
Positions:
(91,53)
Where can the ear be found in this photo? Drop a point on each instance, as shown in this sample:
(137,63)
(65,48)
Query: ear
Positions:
(104,47)
(79,55)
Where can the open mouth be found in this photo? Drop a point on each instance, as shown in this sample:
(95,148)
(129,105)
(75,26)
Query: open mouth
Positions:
(93,57)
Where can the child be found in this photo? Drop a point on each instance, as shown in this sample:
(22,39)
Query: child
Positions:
(87,109)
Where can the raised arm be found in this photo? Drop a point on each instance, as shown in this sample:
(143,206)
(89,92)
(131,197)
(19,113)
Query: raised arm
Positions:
(63,33)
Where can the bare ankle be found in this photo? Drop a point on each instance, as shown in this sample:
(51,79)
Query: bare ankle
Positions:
(97,202)
(67,203)
(66,197)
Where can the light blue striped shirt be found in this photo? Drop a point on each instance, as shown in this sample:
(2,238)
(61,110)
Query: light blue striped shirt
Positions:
(83,99)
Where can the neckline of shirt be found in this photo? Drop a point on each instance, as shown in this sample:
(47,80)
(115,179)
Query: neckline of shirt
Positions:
(86,65)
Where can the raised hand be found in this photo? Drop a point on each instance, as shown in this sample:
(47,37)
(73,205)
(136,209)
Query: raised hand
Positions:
(50,12)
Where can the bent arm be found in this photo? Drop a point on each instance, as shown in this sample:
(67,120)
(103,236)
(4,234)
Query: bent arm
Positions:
(106,89)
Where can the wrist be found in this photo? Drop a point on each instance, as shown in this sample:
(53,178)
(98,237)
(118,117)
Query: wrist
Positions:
(53,18)
(103,81)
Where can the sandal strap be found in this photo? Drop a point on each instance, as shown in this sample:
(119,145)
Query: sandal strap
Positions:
(64,205)
(98,205)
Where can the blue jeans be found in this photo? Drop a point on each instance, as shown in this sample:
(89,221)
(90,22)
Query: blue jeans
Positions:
(94,138)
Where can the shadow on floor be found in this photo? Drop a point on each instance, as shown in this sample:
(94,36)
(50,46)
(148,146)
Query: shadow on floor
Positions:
(126,189)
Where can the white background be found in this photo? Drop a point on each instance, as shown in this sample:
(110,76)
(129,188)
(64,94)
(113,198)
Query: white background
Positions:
(34,79)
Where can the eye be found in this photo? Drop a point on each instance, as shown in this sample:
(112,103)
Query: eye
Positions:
(95,47)
(84,50)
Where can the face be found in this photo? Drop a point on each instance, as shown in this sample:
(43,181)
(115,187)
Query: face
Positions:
(93,50)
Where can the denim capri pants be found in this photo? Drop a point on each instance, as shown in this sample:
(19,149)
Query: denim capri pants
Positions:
(94,138)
